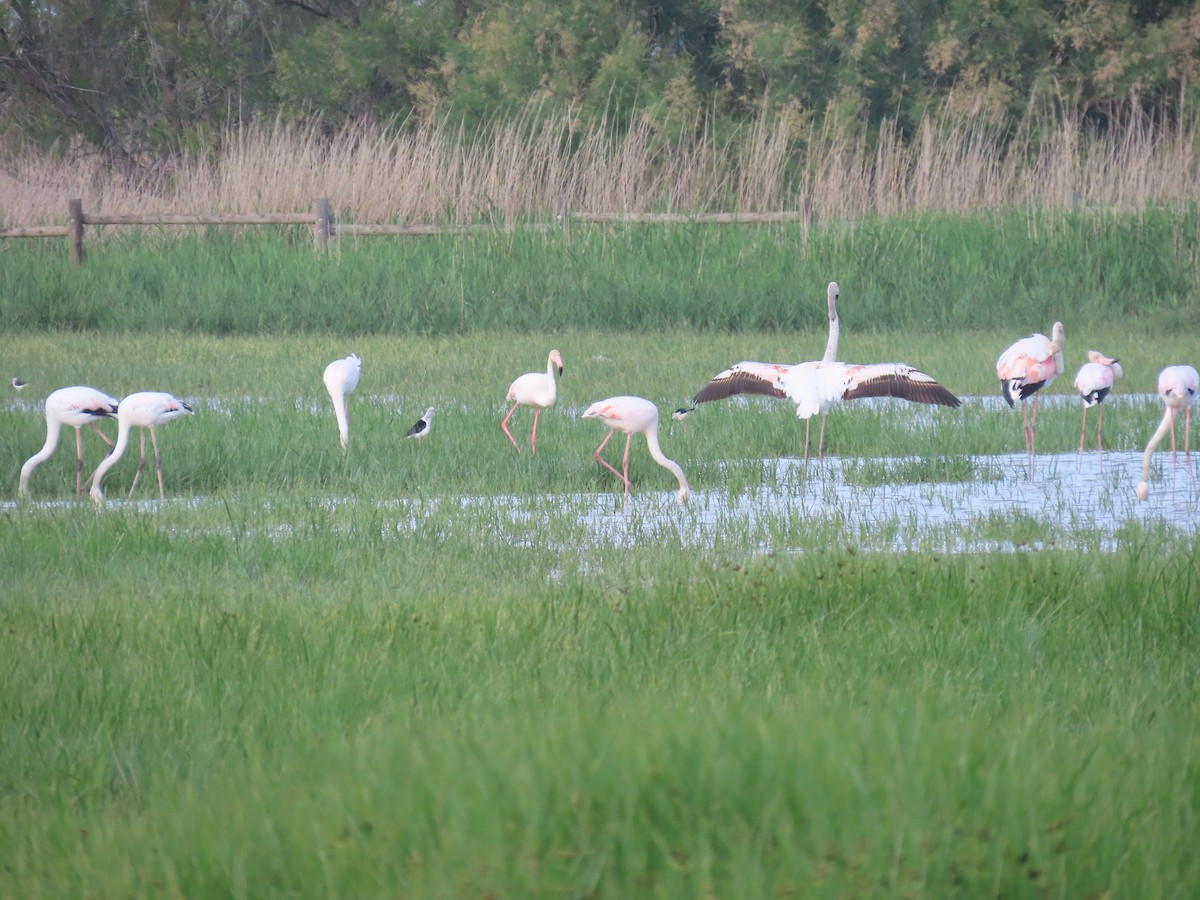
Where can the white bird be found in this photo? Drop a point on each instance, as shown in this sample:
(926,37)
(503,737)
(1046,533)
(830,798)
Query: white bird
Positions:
(631,415)
(146,410)
(537,390)
(20,384)
(1025,368)
(816,386)
(1178,386)
(1094,381)
(422,426)
(74,406)
(341,378)
(682,413)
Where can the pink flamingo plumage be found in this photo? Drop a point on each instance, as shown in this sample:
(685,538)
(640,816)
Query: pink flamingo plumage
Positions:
(633,415)
(1178,386)
(74,406)
(146,410)
(1094,382)
(535,389)
(341,378)
(1024,369)
(815,387)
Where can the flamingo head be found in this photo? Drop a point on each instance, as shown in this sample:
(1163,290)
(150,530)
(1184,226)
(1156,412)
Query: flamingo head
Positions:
(556,358)
(1143,490)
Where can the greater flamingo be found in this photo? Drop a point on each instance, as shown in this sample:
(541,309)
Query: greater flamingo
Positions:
(631,415)
(75,406)
(146,410)
(816,386)
(341,378)
(1025,368)
(1178,387)
(422,426)
(537,390)
(1094,381)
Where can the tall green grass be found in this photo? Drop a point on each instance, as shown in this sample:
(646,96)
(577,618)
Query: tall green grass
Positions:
(942,273)
(334,712)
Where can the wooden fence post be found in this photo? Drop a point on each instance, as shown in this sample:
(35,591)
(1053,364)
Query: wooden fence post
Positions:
(75,209)
(321,232)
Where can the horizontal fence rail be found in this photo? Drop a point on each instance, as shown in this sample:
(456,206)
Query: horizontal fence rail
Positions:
(323,225)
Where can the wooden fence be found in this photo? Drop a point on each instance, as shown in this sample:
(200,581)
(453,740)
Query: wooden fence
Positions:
(323,225)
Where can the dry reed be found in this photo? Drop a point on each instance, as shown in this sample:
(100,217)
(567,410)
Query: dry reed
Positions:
(532,167)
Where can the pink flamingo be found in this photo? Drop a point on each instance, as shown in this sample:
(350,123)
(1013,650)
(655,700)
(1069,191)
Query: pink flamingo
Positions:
(815,387)
(341,378)
(146,410)
(1178,387)
(537,390)
(1025,368)
(75,406)
(631,415)
(1094,382)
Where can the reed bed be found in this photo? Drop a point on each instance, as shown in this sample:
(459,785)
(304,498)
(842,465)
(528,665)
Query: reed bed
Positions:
(533,167)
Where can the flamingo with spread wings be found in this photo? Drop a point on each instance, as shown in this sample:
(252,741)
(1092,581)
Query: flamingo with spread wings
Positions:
(816,387)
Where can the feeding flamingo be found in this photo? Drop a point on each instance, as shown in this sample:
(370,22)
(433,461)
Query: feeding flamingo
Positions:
(1178,387)
(1025,368)
(633,415)
(341,378)
(421,429)
(146,410)
(537,390)
(1094,382)
(816,386)
(74,406)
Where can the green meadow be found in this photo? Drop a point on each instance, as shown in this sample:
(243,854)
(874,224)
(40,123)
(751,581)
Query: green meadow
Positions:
(448,670)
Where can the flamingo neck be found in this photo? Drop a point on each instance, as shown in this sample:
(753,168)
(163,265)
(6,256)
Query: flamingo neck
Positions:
(118,450)
(668,464)
(1163,427)
(831,345)
(53,428)
(343,421)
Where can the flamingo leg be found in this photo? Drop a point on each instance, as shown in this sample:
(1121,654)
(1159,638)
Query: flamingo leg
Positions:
(141,465)
(162,495)
(625,465)
(78,460)
(537,411)
(807,426)
(1187,453)
(96,428)
(821,443)
(1082,436)
(1033,434)
(600,459)
(504,425)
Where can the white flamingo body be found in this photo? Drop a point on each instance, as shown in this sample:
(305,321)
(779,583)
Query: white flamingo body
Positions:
(146,410)
(75,407)
(421,429)
(536,389)
(630,416)
(341,378)
(1178,386)
(1094,381)
(1024,369)
(815,387)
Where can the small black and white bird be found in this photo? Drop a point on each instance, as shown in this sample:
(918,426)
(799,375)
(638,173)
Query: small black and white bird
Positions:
(421,429)
(682,413)
(20,384)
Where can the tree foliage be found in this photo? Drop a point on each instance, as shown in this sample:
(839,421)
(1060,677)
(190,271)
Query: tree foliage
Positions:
(138,80)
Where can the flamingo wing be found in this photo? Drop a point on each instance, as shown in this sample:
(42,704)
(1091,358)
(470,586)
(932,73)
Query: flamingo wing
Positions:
(746,378)
(895,380)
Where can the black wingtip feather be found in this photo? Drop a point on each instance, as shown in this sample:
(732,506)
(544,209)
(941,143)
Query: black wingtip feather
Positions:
(737,383)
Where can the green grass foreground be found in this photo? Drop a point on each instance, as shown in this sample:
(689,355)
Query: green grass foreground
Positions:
(339,713)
